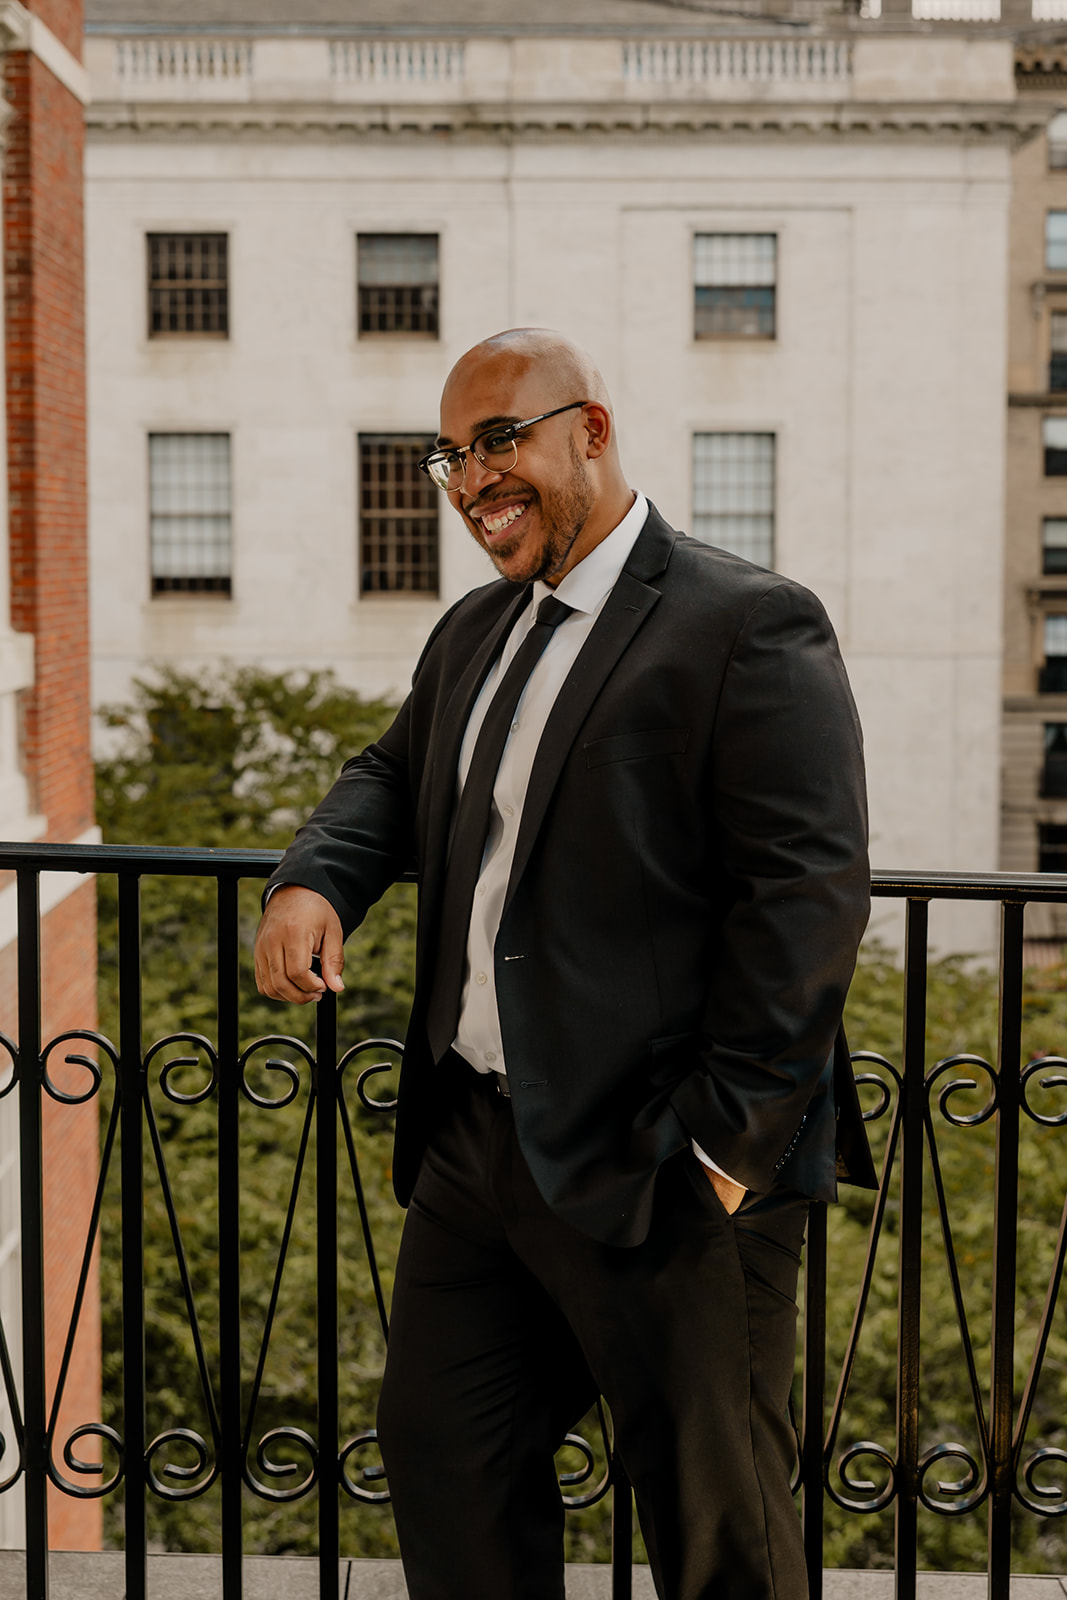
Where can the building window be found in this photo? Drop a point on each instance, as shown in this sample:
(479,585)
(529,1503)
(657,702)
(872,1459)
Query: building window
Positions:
(1056,241)
(189,499)
(1054,773)
(1054,545)
(1057,140)
(733,493)
(1053,678)
(1054,438)
(1057,367)
(734,278)
(1052,847)
(398,283)
(188,285)
(398,511)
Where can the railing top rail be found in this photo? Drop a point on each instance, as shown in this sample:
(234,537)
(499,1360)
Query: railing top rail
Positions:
(175,861)
(167,861)
(1013,886)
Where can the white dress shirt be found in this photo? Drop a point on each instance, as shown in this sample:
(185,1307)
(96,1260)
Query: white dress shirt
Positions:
(585,589)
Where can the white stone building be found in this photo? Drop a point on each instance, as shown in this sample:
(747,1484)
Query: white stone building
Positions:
(786,244)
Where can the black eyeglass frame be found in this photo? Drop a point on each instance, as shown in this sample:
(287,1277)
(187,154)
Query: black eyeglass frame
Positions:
(503,429)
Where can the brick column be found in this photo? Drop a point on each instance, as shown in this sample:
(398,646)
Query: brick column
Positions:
(45,381)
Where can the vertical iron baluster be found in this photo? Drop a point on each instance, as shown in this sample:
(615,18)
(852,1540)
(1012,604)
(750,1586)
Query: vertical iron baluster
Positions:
(131,1079)
(231,1462)
(913,1095)
(1005,1222)
(326,1086)
(31,1177)
(814,1401)
(622,1533)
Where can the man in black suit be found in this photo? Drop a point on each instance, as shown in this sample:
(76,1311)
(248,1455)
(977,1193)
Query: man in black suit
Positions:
(630,775)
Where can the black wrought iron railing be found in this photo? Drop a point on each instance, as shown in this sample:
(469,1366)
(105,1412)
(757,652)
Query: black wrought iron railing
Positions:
(1014,1467)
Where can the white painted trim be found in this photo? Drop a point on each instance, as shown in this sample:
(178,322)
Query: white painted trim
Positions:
(16,661)
(55,888)
(21,30)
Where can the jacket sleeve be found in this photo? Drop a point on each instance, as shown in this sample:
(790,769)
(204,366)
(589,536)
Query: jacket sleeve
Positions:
(787,811)
(360,837)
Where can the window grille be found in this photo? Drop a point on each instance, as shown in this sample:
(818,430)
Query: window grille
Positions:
(398,516)
(1054,774)
(1051,847)
(1056,241)
(188,285)
(1057,367)
(734,278)
(1054,440)
(189,499)
(1054,545)
(733,493)
(1053,679)
(1057,140)
(398,283)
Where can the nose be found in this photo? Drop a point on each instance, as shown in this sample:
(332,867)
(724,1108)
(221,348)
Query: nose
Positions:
(477,476)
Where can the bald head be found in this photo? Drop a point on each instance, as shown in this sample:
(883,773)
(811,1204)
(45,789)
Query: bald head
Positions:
(562,370)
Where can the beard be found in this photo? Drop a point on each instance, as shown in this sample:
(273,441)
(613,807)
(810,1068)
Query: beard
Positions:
(563,515)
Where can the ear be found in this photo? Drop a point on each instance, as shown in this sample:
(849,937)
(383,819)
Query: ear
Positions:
(598,425)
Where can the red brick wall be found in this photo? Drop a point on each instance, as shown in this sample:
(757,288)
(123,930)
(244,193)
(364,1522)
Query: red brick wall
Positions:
(45,371)
(45,325)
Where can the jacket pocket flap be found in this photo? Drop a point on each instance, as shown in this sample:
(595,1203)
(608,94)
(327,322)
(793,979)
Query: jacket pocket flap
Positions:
(635,746)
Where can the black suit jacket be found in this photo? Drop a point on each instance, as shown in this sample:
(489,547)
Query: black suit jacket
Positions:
(689,888)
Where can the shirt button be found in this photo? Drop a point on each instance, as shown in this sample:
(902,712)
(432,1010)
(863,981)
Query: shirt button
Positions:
(481,889)
(514,727)
(481,978)
(509,811)
(490,1056)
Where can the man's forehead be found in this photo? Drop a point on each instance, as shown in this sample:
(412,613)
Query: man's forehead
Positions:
(480,395)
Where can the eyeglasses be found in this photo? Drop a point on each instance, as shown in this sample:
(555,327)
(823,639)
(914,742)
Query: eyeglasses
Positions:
(497,449)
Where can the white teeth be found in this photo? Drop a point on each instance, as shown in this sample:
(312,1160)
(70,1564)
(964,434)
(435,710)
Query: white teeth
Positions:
(498,524)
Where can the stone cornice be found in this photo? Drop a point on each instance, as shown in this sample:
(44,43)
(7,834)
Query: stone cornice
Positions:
(1009,120)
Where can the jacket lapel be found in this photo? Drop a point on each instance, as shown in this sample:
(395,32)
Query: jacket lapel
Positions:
(625,610)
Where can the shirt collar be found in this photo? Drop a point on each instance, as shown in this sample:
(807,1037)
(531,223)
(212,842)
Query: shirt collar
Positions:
(588,584)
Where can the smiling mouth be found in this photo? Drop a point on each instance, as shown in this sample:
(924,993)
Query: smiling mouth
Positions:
(496,520)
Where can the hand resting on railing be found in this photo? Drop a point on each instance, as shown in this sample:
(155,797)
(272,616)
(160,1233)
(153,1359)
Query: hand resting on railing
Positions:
(297,925)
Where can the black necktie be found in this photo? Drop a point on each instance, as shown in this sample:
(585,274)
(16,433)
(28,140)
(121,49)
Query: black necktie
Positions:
(472,825)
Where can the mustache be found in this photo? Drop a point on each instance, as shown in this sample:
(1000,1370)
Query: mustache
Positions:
(482,502)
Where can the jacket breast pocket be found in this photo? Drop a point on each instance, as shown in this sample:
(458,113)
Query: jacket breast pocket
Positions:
(636,746)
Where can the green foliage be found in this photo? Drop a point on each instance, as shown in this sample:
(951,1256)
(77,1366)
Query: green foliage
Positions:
(238,760)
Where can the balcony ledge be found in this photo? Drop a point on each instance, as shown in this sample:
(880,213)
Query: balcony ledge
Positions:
(98,1575)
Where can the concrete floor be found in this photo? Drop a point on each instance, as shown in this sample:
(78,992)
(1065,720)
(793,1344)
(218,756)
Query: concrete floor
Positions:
(99,1576)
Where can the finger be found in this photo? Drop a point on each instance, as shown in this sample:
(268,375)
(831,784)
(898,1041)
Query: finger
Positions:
(301,982)
(283,963)
(277,983)
(332,957)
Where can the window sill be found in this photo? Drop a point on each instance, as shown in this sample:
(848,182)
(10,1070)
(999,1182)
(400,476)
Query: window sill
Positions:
(736,338)
(390,337)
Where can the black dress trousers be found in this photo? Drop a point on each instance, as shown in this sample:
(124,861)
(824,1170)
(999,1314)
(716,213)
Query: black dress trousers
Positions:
(506,1324)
